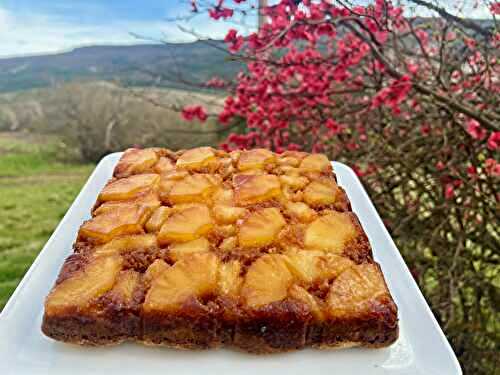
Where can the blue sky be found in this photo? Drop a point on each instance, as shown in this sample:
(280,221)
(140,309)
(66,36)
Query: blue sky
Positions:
(45,26)
(48,26)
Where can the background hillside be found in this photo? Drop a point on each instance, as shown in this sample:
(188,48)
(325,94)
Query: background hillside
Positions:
(138,65)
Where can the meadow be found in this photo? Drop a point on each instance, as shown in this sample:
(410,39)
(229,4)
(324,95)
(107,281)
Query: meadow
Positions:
(36,188)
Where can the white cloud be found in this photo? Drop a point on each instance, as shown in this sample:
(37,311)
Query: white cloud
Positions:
(37,33)
(22,34)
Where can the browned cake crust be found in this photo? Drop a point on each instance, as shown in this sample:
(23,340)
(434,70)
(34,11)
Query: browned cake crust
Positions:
(202,248)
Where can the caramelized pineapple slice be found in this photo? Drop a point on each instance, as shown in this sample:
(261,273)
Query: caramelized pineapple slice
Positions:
(158,218)
(235,155)
(251,189)
(223,196)
(226,167)
(215,179)
(321,193)
(305,266)
(81,289)
(330,232)
(174,174)
(125,286)
(196,159)
(148,201)
(355,290)
(225,230)
(228,278)
(164,187)
(311,266)
(308,299)
(288,160)
(186,225)
(228,214)
(167,182)
(229,243)
(129,187)
(315,163)
(294,182)
(178,250)
(286,195)
(255,159)
(103,228)
(111,206)
(192,276)
(163,165)
(298,196)
(184,206)
(135,161)
(252,172)
(154,270)
(290,171)
(300,211)
(295,154)
(261,228)
(194,188)
(126,244)
(267,280)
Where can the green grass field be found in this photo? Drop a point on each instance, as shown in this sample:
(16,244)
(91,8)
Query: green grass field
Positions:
(36,189)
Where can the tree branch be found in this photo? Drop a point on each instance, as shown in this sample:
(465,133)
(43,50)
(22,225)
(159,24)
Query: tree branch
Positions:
(452,18)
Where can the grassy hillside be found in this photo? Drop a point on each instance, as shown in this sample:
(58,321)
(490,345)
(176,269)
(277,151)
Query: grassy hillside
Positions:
(37,188)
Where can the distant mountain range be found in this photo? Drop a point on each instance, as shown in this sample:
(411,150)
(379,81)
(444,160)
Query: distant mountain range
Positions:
(169,65)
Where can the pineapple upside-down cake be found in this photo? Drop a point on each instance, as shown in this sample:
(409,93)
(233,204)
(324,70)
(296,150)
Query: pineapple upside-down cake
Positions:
(202,248)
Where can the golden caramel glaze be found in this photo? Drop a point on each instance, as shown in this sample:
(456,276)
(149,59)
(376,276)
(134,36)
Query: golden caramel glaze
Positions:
(201,247)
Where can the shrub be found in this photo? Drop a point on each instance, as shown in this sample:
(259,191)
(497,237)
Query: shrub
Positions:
(94,119)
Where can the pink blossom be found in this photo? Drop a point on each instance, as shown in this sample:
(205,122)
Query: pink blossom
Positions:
(230,36)
(189,113)
(334,127)
(449,191)
(219,12)
(422,36)
(440,165)
(475,130)
(495,8)
(412,68)
(494,141)
(492,167)
(394,94)
(469,42)
(215,82)
(357,170)
(450,36)
(471,171)
(425,129)
(234,40)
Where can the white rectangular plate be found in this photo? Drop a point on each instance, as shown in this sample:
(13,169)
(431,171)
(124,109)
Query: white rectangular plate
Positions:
(421,348)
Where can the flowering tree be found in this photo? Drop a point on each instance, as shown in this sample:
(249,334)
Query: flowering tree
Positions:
(412,104)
